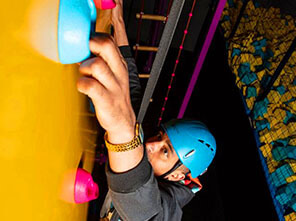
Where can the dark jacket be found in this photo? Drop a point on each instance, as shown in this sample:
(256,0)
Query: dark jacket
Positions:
(137,194)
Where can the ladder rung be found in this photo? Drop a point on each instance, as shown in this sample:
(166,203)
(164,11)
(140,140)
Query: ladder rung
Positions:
(144,75)
(145,48)
(152,17)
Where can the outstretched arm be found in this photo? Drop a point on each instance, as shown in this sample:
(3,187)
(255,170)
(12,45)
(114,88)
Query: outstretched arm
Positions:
(105,80)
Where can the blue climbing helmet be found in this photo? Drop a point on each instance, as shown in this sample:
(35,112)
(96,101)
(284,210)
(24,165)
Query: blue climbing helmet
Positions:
(193,143)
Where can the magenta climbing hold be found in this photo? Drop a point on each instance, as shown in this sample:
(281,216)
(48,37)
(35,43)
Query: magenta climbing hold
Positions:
(85,188)
(104,4)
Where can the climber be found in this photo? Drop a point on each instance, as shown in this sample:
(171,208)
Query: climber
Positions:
(150,181)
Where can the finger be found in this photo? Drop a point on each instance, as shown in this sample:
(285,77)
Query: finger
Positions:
(112,41)
(91,88)
(98,69)
(105,48)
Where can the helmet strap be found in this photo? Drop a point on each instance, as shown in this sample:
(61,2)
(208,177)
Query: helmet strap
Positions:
(177,164)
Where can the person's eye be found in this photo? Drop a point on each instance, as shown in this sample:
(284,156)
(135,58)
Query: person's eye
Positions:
(165,151)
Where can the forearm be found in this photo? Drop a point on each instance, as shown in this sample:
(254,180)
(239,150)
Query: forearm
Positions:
(125,161)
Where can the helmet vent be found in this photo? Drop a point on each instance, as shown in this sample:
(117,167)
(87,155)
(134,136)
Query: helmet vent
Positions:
(190,153)
(208,145)
(201,141)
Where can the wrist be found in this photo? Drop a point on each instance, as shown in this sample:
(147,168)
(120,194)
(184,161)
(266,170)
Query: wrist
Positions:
(119,137)
(132,144)
(122,134)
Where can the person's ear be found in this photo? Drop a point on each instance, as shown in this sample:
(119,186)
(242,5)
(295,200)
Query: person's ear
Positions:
(176,176)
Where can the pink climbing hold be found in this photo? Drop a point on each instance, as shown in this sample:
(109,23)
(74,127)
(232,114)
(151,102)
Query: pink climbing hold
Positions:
(85,188)
(105,4)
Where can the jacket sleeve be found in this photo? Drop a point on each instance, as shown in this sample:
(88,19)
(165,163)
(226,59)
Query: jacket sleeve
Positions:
(134,81)
(137,195)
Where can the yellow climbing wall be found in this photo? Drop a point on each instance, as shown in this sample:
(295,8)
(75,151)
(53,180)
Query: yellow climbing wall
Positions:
(45,129)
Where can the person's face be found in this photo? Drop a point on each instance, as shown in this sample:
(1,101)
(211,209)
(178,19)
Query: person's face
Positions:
(161,153)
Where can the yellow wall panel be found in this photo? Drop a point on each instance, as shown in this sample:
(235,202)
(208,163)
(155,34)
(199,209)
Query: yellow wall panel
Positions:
(41,126)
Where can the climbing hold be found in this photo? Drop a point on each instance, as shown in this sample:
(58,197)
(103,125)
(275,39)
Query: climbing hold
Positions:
(75,22)
(104,4)
(85,188)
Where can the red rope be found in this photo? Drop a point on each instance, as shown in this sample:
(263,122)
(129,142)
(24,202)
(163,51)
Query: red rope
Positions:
(176,63)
